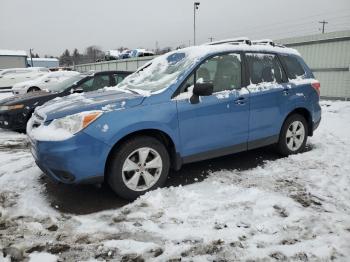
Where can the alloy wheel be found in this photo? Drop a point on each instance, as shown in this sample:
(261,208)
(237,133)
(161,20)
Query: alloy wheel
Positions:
(142,169)
(295,135)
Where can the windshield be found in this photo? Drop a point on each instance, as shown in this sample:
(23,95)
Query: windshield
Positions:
(160,73)
(61,86)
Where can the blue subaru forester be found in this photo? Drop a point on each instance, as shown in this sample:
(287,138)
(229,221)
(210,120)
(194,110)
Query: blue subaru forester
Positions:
(188,105)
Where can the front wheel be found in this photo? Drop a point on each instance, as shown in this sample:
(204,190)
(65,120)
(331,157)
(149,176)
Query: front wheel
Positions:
(139,165)
(293,135)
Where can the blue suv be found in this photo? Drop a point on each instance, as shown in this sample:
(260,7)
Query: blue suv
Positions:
(188,105)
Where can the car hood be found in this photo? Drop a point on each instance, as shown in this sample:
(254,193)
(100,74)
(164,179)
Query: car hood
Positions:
(98,100)
(26,98)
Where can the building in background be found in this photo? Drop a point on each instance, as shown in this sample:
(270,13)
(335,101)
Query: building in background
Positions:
(328,56)
(13,59)
(43,62)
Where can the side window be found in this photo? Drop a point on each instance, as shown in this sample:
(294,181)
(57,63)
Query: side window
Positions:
(118,78)
(95,83)
(223,71)
(100,81)
(294,68)
(264,68)
(87,85)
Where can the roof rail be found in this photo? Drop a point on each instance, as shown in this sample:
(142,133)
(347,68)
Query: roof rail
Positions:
(266,42)
(233,41)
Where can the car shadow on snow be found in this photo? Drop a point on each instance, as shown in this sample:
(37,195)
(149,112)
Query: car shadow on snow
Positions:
(86,199)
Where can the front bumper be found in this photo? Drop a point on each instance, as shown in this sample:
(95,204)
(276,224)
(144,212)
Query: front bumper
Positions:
(80,159)
(19,91)
(13,119)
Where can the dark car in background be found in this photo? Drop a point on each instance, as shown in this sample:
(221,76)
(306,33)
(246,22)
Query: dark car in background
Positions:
(15,111)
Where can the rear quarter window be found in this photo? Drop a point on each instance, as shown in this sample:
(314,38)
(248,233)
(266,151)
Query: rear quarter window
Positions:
(294,68)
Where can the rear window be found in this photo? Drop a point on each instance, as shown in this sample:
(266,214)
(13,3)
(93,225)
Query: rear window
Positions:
(294,68)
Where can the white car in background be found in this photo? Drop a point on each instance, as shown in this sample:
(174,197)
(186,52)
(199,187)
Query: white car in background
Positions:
(42,83)
(9,77)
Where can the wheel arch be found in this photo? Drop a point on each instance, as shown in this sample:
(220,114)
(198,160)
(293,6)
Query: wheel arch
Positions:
(306,114)
(33,87)
(160,135)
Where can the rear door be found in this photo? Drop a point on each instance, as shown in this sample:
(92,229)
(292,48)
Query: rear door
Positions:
(269,94)
(218,122)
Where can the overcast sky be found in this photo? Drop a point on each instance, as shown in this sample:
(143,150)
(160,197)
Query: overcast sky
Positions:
(50,26)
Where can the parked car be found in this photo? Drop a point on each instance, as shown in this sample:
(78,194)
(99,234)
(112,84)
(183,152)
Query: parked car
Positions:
(16,110)
(125,54)
(141,53)
(9,77)
(187,105)
(112,55)
(42,83)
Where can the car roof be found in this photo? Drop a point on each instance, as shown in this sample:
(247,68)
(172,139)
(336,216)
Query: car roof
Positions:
(93,73)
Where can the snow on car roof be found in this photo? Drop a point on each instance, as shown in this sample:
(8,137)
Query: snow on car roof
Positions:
(6,52)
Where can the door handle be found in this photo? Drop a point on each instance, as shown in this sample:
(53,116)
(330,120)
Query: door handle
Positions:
(240,101)
(285,92)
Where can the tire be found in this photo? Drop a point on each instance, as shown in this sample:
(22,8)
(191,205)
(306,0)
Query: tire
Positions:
(127,172)
(293,136)
(33,89)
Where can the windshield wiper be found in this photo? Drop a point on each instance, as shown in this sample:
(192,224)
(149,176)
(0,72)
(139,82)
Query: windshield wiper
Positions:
(132,91)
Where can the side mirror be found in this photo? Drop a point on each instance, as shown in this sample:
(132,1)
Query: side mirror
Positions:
(201,89)
(78,90)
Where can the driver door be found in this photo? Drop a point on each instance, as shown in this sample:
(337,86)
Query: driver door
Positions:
(218,124)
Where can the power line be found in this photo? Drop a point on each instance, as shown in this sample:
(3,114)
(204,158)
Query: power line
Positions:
(302,21)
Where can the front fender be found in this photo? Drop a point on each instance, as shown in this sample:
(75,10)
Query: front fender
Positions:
(113,126)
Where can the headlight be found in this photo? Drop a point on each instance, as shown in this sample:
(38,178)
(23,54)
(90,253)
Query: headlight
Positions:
(13,107)
(74,123)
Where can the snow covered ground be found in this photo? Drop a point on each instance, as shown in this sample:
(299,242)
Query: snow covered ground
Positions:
(289,209)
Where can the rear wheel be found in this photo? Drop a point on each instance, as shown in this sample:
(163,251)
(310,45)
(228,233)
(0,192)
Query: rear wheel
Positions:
(293,135)
(33,89)
(139,165)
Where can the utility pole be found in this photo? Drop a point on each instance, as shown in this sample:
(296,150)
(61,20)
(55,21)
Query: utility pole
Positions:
(324,22)
(157,48)
(195,7)
(31,56)
(211,38)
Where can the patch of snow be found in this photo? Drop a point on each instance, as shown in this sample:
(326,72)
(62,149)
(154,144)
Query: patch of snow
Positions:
(265,86)
(42,257)
(184,95)
(49,133)
(130,246)
(105,128)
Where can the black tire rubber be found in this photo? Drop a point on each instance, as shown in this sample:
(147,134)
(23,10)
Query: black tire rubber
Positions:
(282,143)
(114,170)
(33,89)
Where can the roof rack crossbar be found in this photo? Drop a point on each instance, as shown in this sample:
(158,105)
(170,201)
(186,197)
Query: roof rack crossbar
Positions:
(267,42)
(235,41)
